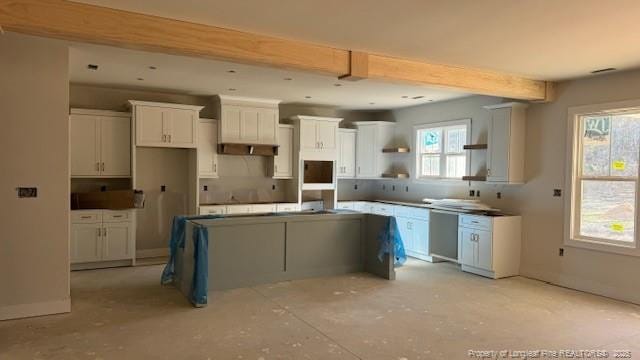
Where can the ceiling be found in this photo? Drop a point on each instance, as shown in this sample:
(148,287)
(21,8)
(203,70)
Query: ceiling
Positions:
(540,39)
(119,67)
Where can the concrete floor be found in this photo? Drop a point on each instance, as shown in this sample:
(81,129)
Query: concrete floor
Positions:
(433,311)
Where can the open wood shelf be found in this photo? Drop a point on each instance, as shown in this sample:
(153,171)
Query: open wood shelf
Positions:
(474,178)
(395,175)
(475,147)
(396,150)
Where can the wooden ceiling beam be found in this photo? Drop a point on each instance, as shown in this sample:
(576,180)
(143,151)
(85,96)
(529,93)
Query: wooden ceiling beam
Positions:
(105,26)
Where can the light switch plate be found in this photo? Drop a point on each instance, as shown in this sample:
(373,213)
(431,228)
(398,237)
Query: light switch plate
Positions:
(27,192)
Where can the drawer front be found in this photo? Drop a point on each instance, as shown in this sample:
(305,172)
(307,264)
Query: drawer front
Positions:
(475,222)
(383,209)
(412,212)
(239,209)
(287,207)
(86,216)
(116,215)
(213,210)
(263,208)
(346,205)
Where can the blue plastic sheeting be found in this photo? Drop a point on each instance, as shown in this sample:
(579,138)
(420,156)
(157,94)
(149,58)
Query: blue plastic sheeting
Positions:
(390,241)
(199,287)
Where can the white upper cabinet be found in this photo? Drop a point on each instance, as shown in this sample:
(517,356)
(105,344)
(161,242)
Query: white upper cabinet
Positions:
(318,137)
(248,121)
(207,148)
(372,137)
(505,153)
(346,153)
(284,161)
(166,125)
(100,143)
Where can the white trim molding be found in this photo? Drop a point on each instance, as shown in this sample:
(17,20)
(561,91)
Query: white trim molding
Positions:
(573,162)
(35,309)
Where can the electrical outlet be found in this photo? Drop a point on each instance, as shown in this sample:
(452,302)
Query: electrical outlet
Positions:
(393,188)
(355,186)
(384,187)
(406,188)
(561,252)
(27,192)
(472,193)
(205,188)
(103,188)
(163,188)
(477,193)
(557,192)
(273,187)
(499,195)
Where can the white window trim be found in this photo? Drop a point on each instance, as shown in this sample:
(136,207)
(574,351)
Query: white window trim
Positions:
(573,162)
(417,158)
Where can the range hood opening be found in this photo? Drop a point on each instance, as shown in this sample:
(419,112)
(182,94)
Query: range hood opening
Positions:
(248,149)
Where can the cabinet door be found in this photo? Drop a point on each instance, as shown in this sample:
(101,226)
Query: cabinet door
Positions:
(151,123)
(365,154)
(498,147)
(115,149)
(249,125)
(484,257)
(85,145)
(283,162)
(183,127)
(406,232)
(117,241)
(467,246)
(230,124)
(207,153)
(86,243)
(421,236)
(268,126)
(347,154)
(327,135)
(308,137)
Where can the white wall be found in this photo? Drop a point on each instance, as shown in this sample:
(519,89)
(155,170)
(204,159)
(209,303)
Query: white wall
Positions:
(545,167)
(34,152)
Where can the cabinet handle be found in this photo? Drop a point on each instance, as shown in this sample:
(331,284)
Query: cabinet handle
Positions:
(164,138)
(169,138)
(97,166)
(488,172)
(102,166)
(215,167)
(358,169)
(104,232)
(117,216)
(85,217)
(99,233)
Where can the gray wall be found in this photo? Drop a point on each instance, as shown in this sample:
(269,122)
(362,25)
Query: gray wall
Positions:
(34,151)
(545,167)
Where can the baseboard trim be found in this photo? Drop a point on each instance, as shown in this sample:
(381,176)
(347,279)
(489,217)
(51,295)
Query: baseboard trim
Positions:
(35,309)
(148,253)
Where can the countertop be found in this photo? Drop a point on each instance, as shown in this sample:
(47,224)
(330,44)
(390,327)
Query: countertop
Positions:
(492,212)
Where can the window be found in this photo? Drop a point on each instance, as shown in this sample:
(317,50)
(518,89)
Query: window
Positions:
(604,178)
(440,153)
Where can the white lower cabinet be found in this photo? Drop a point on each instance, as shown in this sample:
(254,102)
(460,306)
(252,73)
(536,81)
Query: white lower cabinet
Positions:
(239,209)
(287,207)
(415,236)
(102,235)
(489,245)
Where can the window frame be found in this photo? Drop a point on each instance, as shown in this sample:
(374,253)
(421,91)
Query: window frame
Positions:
(574,177)
(443,151)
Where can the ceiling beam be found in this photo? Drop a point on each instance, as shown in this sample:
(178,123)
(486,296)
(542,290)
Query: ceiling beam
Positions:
(456,78)
(105,26)
(100,25)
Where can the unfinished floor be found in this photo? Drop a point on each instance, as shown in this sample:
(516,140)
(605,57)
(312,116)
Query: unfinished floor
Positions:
(433,311)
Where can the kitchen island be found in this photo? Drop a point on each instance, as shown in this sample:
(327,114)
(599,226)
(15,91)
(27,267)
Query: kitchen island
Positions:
(248,250)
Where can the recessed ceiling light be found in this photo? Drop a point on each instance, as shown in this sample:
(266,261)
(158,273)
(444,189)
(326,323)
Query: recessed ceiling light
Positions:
(288,79)
(92,67)
(231,71)
(372,103)
(232,89)
(336,84)
(417,97)
(430,100)
(140,79)
(152,67)
(404,96)
(307,97)
(602,70)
